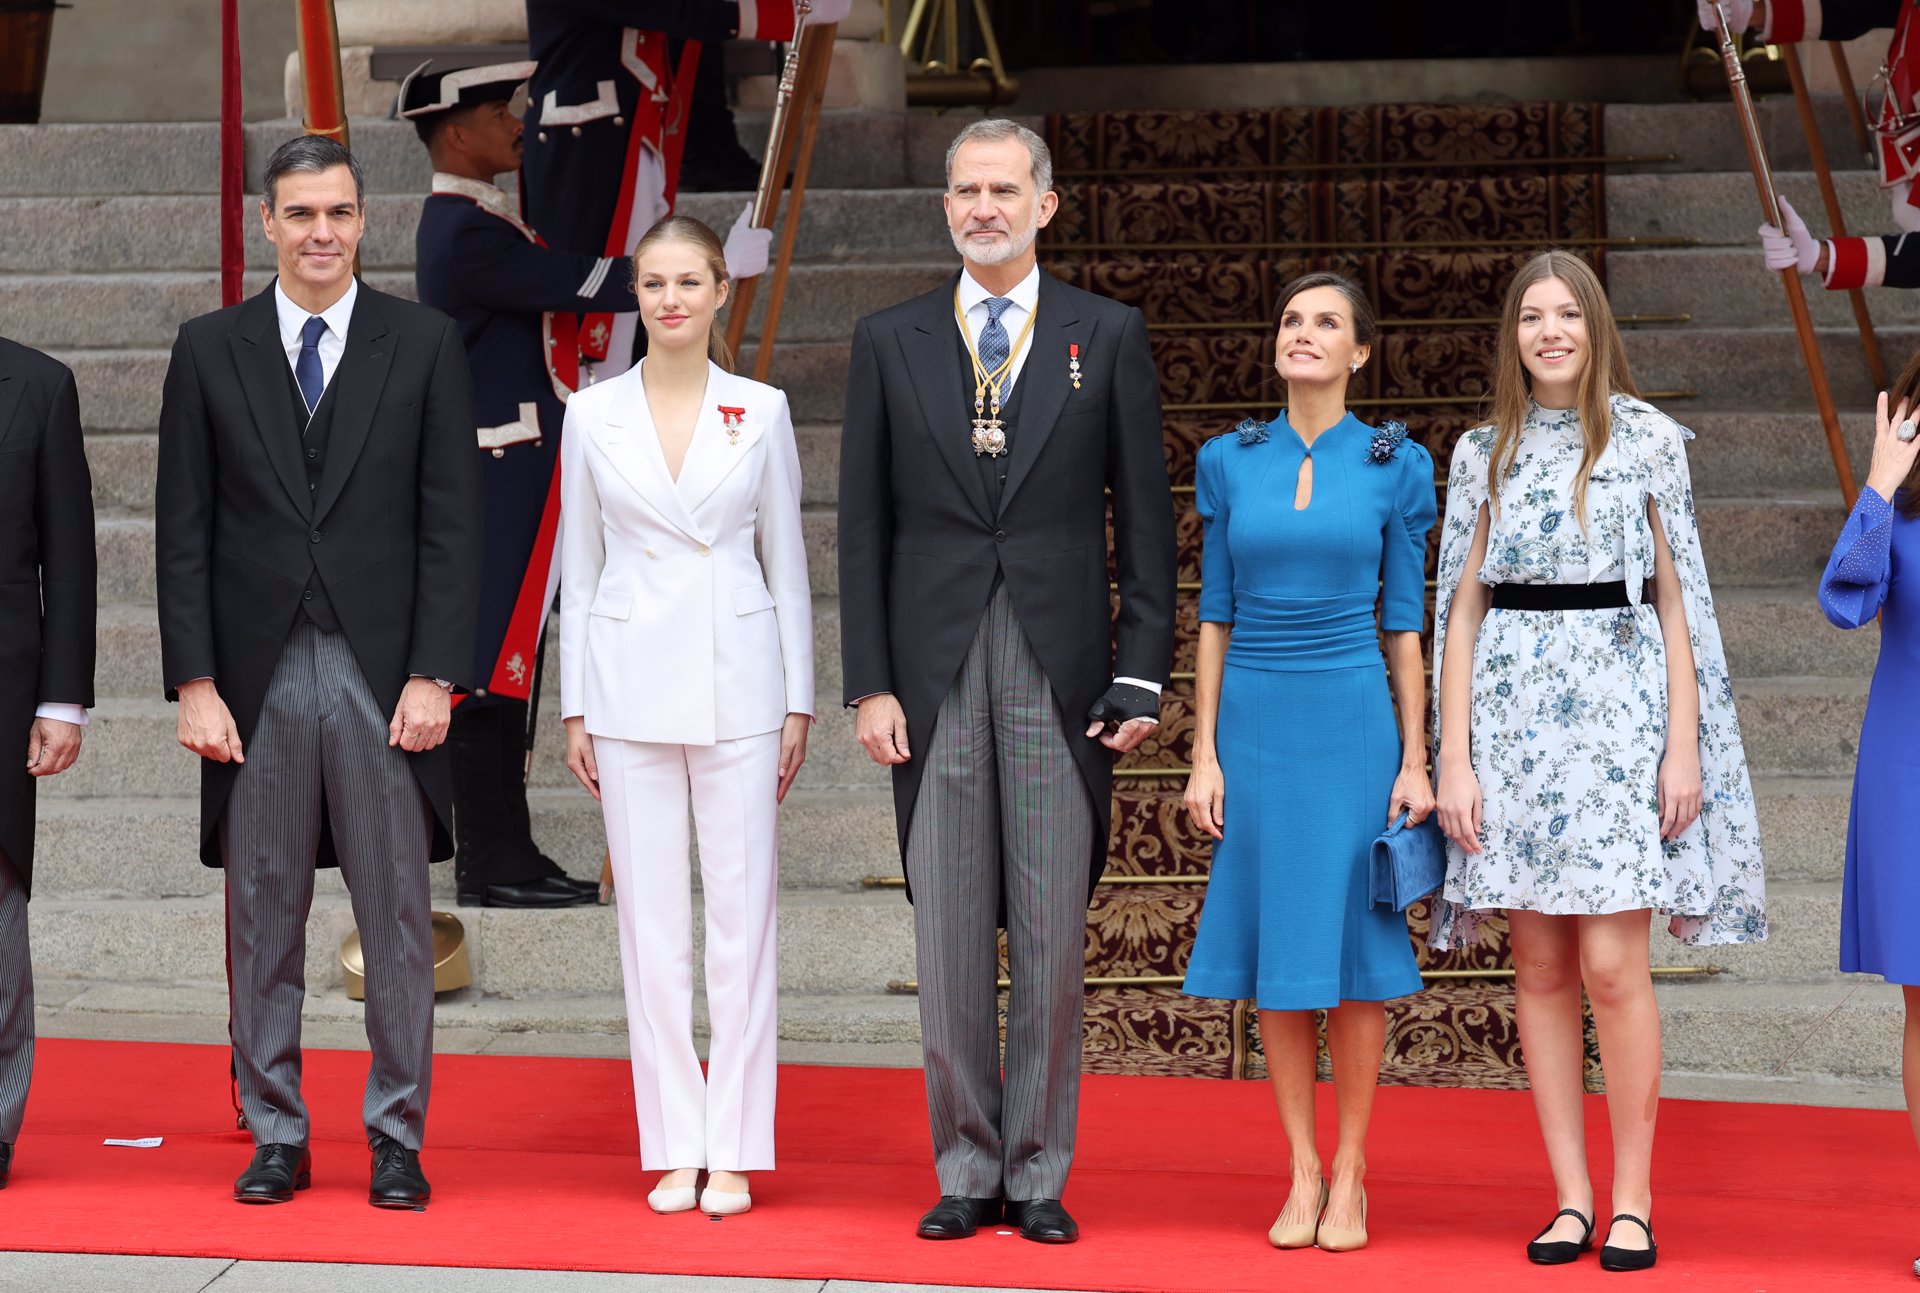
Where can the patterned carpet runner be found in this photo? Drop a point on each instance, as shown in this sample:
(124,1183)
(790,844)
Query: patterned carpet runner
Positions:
(1198,218)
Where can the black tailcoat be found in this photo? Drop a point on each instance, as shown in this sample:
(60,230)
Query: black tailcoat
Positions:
(921,543)
(392,529)
(47,569)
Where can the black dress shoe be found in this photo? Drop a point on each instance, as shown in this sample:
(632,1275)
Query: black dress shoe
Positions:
(274,1174)
(1629,1259)
(531,894)
(1043,1220)
(1561,1251)
(587,889)
(957,1217)
(6,1163)
(398,1181)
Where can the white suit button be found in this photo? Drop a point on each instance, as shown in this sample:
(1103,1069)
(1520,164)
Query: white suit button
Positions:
(705,551)
(649,552)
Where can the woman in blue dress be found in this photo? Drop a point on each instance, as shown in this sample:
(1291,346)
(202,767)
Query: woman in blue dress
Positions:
(1298,762)
(1875,570)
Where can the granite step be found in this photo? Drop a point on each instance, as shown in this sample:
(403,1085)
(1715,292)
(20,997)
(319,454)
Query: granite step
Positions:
(50,235)
(132,751)
(855,149)
(125,551)
(1748,542)
(829,839)
(1719,208)
(830,942)
(846,1028)
(1745,1027)
(1725,287)
(123,464)
(145,309)
(1710,1027)
(149,848)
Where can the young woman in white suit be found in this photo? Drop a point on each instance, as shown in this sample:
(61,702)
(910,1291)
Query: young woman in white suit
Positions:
(686,675)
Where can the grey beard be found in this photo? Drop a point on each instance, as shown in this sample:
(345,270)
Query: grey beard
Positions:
(1015,245)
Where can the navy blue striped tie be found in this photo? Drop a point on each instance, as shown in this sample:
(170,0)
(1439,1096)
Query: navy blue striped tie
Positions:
(306,369)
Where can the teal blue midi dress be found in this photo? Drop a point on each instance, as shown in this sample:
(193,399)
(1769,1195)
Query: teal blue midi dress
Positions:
(1306,736)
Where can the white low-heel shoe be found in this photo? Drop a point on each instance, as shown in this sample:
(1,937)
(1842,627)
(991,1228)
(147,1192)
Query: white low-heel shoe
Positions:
(717,1203)
(679,1199)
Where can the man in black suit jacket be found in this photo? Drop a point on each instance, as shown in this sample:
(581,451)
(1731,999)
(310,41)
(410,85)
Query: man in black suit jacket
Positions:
(47,608)
(318,519)
(986,424)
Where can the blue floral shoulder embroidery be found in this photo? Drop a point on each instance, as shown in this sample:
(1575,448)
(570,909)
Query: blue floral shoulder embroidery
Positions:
(1386,442)
(1252,431)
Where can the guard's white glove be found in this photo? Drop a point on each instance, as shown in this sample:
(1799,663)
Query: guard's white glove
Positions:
(826,11)
(1792,247)
(1739,15)
(747,247)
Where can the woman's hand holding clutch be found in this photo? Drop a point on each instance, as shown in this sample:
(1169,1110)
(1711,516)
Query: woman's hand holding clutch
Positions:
(1412,794)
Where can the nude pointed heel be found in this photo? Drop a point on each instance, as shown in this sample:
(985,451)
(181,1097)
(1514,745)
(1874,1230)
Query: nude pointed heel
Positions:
(1334,1239)
(1299,1236)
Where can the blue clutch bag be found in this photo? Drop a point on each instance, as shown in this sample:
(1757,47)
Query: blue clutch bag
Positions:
(1408,863)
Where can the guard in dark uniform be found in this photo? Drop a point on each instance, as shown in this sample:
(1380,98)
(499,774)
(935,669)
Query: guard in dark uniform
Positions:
(605,125)
(1881,260)
(514,300)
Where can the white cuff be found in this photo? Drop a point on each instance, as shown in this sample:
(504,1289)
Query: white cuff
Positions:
(1153,687)
(63,713)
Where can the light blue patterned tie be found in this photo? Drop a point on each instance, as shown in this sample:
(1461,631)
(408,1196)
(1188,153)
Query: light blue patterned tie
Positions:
(993,339)
(306,369)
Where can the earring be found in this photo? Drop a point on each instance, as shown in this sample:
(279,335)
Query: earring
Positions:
(1354,367)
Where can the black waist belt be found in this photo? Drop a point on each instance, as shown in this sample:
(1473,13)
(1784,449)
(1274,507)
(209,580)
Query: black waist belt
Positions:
(1560,597)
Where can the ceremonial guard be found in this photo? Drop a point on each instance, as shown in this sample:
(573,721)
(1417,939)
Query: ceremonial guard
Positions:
(605,120)
(1885,260)
(514,300)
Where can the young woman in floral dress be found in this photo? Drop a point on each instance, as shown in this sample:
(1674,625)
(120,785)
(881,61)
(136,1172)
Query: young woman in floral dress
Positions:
(1590,765)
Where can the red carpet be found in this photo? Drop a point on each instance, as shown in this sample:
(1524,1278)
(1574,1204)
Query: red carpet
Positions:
(533,1164)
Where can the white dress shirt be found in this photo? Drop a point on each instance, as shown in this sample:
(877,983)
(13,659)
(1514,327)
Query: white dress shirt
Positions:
(973,307)
(65,713)
(333,342)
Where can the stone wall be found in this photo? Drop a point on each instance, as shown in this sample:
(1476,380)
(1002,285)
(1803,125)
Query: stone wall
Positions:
(159,60)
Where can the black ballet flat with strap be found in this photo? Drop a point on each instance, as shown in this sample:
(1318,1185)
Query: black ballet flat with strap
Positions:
(1561,1251)
(1630,1259)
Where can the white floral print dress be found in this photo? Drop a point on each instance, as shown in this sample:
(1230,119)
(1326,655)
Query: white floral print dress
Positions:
(1569,719)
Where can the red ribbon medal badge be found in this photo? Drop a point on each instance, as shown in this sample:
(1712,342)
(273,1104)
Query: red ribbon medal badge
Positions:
(732,417)
(1073,363)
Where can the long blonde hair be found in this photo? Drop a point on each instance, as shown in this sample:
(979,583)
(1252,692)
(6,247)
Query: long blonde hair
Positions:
(1604,375)
(679,228)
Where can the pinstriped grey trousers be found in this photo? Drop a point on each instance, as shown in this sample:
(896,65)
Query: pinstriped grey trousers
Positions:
(1001,805)
(16,1003)
(321,747)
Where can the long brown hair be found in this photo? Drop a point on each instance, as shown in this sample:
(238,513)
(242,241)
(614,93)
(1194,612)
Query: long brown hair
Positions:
(1604,375)
(1907,387)
(679,228)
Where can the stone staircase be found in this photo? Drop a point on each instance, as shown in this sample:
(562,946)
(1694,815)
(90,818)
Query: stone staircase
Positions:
(110,240)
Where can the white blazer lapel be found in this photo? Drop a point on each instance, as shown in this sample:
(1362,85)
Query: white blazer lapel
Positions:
(715,451)
(627,436)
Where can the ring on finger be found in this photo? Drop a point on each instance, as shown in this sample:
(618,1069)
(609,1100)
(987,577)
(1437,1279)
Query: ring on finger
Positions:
(1906,430)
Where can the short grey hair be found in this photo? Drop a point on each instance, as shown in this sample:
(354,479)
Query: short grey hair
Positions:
(991,130)
(310,155)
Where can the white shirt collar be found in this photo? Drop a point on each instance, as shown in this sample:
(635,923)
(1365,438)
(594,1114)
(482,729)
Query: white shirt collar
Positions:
(293,318)
(1025,294)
